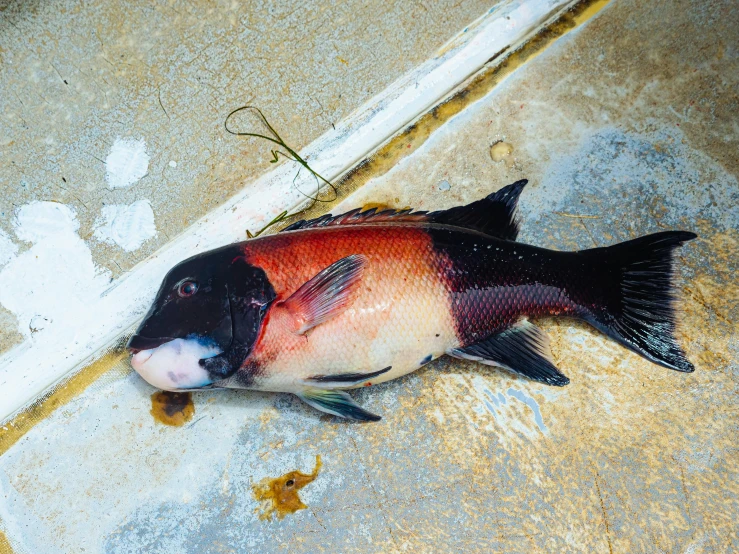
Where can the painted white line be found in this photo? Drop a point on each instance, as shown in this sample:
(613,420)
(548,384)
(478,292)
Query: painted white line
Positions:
(37,364)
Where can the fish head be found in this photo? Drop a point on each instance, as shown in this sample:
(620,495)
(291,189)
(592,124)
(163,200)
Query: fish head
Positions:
(194,317)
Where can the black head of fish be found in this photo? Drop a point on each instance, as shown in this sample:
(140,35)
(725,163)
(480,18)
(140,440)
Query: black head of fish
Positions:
(216,297)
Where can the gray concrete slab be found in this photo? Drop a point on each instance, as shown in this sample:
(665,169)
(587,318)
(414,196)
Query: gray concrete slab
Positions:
(624,128)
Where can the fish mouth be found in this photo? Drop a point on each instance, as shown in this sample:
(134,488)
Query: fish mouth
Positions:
(140,357)
(138,343)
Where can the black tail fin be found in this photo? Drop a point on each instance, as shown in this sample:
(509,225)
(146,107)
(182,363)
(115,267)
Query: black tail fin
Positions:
(639,308)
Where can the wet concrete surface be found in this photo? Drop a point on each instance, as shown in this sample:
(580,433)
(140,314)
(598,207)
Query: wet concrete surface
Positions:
(75,78)
(623,128)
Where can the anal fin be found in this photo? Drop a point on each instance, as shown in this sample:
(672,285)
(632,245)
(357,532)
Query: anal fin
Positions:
(336,402)
(523,349)
(343,380)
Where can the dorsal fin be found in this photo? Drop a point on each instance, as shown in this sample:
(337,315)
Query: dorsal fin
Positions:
(359,217)
(494,215)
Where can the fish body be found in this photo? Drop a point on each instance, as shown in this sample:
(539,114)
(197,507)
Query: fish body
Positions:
(398,315)
(341,302)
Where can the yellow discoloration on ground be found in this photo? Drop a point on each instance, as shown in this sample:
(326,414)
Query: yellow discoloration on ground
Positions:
(279,495)
(501,152)
(5,547)
(13,430)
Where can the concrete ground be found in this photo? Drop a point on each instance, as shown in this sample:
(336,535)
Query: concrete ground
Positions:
(75,78)
(625,126)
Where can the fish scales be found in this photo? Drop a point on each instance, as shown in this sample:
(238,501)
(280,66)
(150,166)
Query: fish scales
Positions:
(399,315)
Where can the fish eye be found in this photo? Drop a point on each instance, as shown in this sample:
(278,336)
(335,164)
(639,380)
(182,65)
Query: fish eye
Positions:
(187,288)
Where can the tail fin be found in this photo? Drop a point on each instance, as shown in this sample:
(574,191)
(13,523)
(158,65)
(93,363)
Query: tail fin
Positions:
(639,308)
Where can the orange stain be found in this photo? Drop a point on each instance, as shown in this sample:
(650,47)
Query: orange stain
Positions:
(279,495)
(172,408)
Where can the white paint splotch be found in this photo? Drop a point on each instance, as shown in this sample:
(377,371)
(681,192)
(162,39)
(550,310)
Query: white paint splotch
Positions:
(54,280)
(128,226)
(127,162)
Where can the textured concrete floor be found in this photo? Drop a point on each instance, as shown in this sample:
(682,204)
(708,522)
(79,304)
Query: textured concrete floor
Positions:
(75,77)
(624,128)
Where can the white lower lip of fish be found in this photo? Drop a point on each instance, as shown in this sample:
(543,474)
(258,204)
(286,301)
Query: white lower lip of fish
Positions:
(175,365)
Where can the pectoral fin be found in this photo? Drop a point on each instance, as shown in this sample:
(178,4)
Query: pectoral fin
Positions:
(336,403)
(523,349)
(326,295)
(343,380)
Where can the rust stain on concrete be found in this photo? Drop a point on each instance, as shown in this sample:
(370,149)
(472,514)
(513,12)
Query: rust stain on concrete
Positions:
(172,408)
(279,495)
(5,547)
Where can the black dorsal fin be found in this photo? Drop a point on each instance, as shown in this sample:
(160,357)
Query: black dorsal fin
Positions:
(494,215)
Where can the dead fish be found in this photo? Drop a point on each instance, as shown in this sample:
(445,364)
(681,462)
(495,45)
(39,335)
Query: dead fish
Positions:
(334,303)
